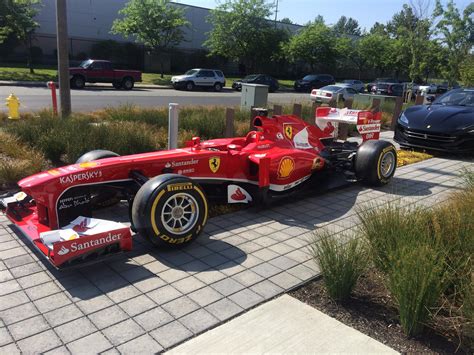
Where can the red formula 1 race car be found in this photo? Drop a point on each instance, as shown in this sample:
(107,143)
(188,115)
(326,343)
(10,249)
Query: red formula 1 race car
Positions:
(168,191)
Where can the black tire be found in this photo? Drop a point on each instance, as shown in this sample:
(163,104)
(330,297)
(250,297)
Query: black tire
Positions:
(117,85)
(376,162)
(217,87)
(105,197)
(96,155)
(190,86)
(78,82)
(154,203)
(128,83)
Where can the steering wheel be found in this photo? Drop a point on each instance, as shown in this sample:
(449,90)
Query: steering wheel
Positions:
(253,137)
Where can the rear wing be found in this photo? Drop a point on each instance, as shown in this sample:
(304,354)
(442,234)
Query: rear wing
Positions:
(368,123)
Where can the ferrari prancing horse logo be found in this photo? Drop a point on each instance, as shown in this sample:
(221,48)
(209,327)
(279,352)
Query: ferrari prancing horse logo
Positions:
(214,164)
(288,131)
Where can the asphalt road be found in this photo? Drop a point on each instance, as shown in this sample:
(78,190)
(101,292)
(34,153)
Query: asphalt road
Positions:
(93,98)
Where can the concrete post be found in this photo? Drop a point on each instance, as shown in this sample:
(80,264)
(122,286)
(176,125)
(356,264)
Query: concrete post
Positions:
(396,111)
(419,99)
(277,109)
(173,126)
(297,109)
(229,122)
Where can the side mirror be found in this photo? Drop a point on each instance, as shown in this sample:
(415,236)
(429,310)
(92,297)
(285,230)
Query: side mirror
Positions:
(430,99)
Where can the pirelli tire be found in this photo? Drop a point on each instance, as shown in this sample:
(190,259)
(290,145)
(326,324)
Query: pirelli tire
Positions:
(375,162)
(104,197)
(170,210)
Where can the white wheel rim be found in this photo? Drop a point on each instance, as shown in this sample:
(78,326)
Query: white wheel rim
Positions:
(179,213)
(387,165)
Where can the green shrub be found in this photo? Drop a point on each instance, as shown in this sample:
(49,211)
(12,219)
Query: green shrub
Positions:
(416,281)
(341,264)
(388,228)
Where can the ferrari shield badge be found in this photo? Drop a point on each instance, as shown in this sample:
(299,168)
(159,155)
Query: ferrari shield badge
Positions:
(214,164)
(288,131)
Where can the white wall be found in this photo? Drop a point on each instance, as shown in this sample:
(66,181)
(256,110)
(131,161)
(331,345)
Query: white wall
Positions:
(92,19)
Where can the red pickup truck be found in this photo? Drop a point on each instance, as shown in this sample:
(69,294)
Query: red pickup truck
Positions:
(102,71)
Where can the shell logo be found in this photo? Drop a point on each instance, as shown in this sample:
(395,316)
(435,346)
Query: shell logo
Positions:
(285,168)
(89,164)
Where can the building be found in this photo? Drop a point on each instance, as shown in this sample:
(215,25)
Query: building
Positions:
(90,21)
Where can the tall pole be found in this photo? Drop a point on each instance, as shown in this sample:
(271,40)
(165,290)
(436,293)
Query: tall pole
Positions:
(276,13)
(63,58)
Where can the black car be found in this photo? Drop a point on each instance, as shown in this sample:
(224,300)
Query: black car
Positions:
(388,89)
(313,81)
(262,79)
(381,80)
(447,124)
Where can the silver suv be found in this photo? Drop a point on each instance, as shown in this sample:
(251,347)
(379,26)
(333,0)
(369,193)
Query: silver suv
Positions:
(205,78)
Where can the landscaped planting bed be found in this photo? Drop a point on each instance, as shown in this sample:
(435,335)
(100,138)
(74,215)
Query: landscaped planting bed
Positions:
(416,293)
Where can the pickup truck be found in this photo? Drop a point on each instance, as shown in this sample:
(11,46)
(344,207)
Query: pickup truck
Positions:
(102,71)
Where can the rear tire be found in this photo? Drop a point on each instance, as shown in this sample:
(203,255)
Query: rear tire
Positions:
(128,83)
(170,210)
(375,162)
(217,87)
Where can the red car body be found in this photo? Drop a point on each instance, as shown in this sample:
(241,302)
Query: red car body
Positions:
(282,155)
(102,71)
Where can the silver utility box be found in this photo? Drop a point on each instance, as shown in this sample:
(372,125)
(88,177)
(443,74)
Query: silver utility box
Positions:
(254,95)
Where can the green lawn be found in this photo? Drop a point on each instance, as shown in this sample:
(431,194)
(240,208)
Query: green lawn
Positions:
(12,73)
(23,74)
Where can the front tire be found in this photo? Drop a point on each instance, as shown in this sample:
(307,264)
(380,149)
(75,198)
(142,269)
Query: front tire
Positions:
(190,86)
(170,210)
(104,197)
(78,82)
(375,162)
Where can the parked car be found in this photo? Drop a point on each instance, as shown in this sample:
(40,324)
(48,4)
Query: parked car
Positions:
(357,85)
(202,78)
(381,80)
(313,81)
(262,79)
(328,93)
(428,89)
(102,71)
(388,89)
(447,124)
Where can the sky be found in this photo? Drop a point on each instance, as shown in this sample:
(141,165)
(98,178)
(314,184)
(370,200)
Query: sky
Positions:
(366,12)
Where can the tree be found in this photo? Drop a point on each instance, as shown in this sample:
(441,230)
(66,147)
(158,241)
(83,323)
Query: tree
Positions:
(412,30)
(457,35)
(347,26)
(158,24)
(314,44)
(17,20)
(467,71)
(286,20)
(239,28)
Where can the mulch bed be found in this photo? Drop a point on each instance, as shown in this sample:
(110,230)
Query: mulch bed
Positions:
(371,311)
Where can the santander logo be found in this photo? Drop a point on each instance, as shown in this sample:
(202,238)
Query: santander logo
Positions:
(238,195)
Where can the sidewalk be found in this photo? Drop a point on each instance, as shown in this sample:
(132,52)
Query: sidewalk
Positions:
(150,300)
(283,326)
(43,84)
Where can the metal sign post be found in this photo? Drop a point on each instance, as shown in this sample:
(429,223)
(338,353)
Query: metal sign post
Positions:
(173,126)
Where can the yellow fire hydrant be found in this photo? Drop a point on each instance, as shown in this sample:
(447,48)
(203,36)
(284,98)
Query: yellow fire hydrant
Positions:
(13,104)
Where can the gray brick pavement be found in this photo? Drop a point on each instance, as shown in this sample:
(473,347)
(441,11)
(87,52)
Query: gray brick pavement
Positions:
(149,300)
